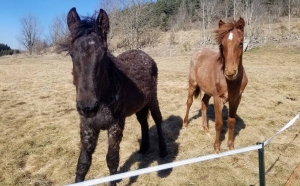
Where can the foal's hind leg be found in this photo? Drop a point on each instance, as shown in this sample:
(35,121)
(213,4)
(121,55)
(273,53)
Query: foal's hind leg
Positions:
(142,118)
(205,101)
(156,115)
(89,137)
(191,92)
(218,106)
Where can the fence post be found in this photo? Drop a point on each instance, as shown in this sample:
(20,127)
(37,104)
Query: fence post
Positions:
(261,164)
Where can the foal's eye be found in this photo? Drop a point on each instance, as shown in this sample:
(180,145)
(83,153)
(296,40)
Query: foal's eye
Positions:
(241,44)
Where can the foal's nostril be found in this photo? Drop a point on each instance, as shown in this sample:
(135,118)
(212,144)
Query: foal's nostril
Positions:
(84,109)
(95,108)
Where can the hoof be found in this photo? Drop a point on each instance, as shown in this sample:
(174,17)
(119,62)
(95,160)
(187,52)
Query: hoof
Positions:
(217,148)
(143,150)
(230,145)
(217,151)
(208,134)
(185,125)
(113,183)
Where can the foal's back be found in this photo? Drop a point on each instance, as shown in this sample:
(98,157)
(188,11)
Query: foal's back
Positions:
(206,70)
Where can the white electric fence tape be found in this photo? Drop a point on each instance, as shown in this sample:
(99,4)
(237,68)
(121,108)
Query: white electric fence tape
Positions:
(283,128)
(180,163)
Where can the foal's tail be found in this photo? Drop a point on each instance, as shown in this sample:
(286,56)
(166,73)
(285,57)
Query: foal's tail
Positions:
(197,92)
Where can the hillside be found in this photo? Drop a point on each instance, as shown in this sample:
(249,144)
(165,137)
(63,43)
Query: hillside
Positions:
(188,41)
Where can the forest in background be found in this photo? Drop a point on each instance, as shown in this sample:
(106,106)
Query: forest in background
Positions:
(135,24)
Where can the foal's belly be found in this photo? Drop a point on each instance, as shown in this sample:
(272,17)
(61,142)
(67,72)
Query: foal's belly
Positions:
(135,101)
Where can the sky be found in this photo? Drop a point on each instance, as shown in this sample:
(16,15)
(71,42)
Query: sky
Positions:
(44,10)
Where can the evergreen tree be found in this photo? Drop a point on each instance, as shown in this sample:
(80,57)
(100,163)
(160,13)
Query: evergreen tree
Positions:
(6,50)
(4,47)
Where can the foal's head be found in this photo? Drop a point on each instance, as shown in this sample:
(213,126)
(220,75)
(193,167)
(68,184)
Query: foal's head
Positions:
(88,49)
(230,37)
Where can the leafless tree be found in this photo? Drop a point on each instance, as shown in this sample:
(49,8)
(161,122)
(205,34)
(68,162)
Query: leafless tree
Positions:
(209,11)
(202,12)
(234,8)
(254,14)
(289,14)
(295,9)
(181,16)
(290,4)
(111,7)
(31,31)
(226,5)
(40,46)
(213,11)
(58,29)
(134,21)
(237,8)
(274,11)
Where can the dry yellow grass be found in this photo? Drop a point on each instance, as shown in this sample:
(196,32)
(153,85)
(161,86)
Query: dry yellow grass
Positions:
(39,133)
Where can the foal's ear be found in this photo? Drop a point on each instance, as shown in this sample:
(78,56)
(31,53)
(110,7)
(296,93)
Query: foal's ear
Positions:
(221,23)
(102,24)
(240,24)
(73,19)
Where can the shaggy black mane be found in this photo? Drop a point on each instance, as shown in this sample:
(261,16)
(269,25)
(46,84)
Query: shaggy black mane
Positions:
(86,26)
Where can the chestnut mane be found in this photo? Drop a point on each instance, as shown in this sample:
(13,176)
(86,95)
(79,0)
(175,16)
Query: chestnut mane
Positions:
(225,28)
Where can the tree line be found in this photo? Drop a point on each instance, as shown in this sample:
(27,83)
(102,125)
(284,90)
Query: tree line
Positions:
(6,50)
(137,19)
(138,23)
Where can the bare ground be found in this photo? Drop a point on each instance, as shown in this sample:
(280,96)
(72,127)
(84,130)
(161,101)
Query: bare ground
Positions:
(39,133)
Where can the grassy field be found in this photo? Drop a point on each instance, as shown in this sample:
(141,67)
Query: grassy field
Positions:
(39,136)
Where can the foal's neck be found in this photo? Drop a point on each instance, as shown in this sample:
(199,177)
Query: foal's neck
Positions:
(109,79)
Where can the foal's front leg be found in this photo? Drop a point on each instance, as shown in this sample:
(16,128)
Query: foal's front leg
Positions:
(89,137)
(231,121)
(115,134)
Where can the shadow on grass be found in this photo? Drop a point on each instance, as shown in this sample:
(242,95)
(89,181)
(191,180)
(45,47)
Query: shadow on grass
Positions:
(211,116)
(171,129)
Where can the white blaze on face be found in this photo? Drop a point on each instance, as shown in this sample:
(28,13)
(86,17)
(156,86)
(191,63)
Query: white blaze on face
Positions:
(91,42)
(90,49)
(230,36)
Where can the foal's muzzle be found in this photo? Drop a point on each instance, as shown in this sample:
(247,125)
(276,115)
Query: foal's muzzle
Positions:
(231,75)
(87,110)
